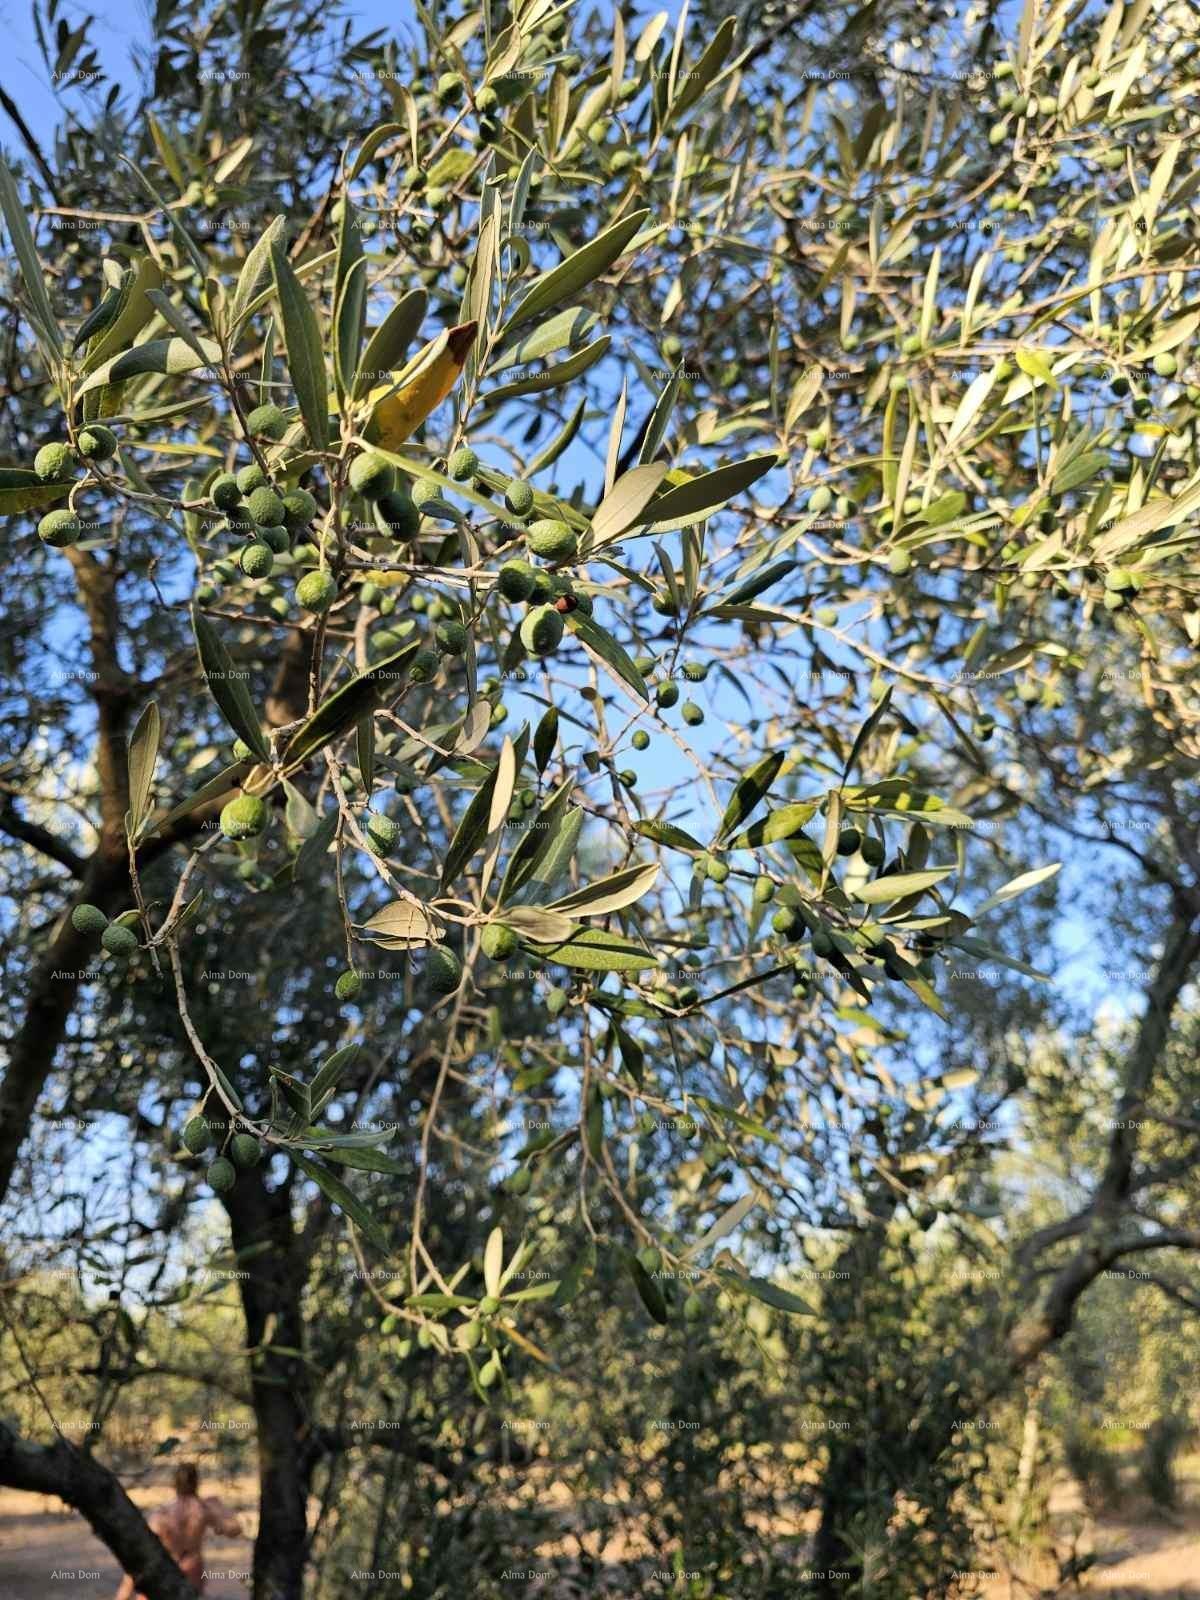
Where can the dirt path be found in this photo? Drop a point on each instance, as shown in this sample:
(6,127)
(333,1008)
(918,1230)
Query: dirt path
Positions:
(47,1550)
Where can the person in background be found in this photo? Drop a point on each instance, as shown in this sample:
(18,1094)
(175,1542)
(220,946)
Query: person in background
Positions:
(182,1525)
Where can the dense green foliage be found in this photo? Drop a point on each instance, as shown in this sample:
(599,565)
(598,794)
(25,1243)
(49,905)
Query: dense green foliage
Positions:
(572,587)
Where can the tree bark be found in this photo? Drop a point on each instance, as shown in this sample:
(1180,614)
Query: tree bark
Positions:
(63,1470)
(265,1241)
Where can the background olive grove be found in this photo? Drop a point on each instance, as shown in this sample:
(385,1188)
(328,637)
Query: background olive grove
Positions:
(825,1198)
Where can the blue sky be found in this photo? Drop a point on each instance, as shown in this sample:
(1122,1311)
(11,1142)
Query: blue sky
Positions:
(123,24)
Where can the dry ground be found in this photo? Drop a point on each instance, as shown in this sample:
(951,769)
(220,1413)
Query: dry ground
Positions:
(1142,1557)
(40,1537)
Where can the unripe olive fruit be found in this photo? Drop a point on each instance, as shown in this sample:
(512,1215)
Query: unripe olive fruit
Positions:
(849,841)
(119,940)
(59,528)
(900,563)
(349,985)
(450,636)
(1166,364)
(221,1175)
(691,713)
(542,631)
(54,463)
(372,476)
(552,540)
(820,499)
(817,438)
(299,508)
(873,851)
(252,477)
(97,443)
(424,666)
(489,1373)
(244,818)
(256,559)
(443,970)
(667,694)
(246,1150)
(88,919)
(316,591)
(382,833)
(265,507)
(640,739)
(463,464)
(267,421)
(518,497)
(498,942)
(396,515)
(516,580)
(786,922)
(556,1000)
(197,1135)
(224,493)
(519,1182)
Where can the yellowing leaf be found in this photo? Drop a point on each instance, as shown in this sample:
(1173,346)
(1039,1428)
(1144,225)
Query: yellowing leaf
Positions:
(428,379)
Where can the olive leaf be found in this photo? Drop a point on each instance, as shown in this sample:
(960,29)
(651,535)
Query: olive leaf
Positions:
(594,950)
(577,270)
(895,886)
(493,1261)
(143,757)
(389,342)
(535,842)
(613,893)
(623,505)
(550,453)
(749,791)
(769,1293)
(16,219)
(302,340)
(708,491)
(472,830)
(544,739)
(401,922)
(648,1291)
(22,490)
(562,372)
(227,685)
(599,642)
(350,300)
(256,269)
(349,705)
(168,356)
(345,1199)
(538,922)
(325,1081)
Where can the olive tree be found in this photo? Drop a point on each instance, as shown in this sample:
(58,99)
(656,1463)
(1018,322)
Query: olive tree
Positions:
(603,580)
